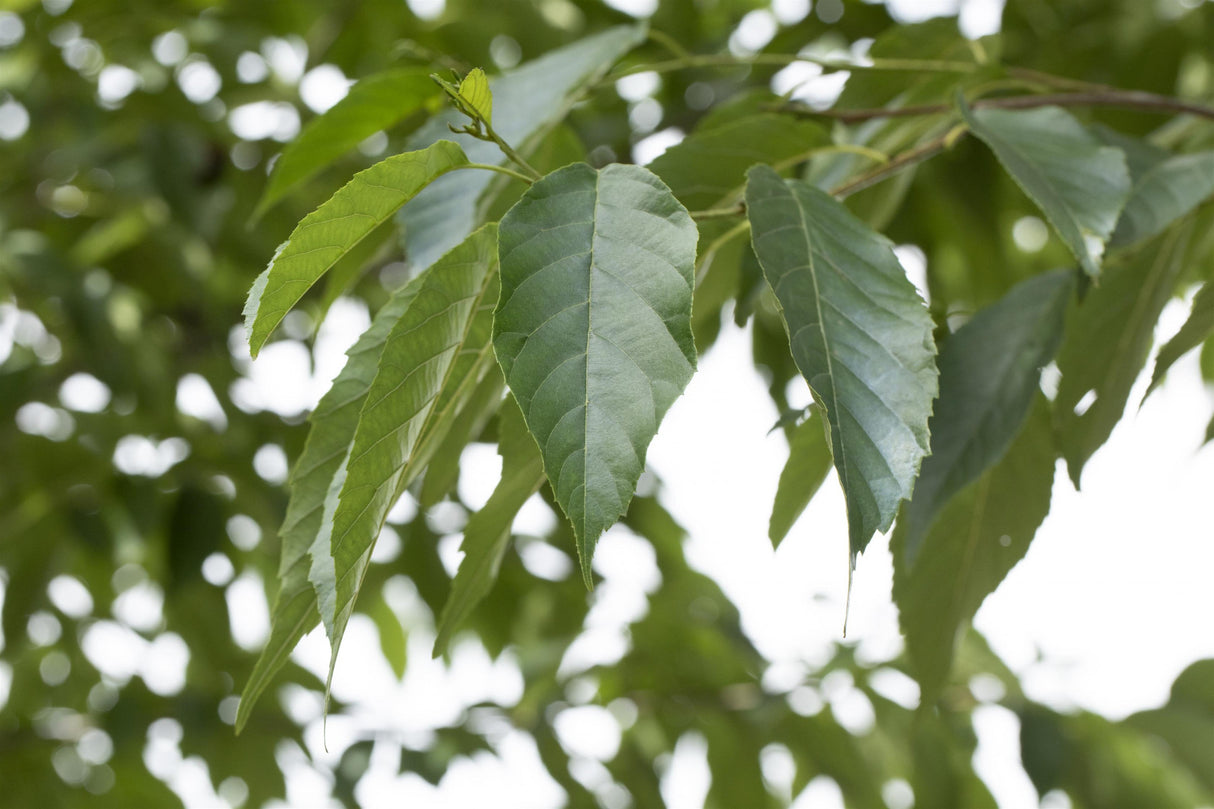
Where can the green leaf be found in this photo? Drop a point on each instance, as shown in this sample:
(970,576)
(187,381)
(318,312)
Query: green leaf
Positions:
(487,534)
(1080,185)
(1193,333)
(707,166)
(374,103)
(1164,193)
(530,100)
(989,373)
(1108,340)
(434,357)
(392,639)
(442,472)
(593,329)
(809,461)
(333,424)
(474,90)
(860,335)
(330,232)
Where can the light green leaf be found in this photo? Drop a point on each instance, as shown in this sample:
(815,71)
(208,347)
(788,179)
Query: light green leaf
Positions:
(593,329)
(474,90)
(983,531)
(1164,193)
(530,100)
(487,534)
(989,375)
(707,166)
(392,639)
(1193,333)
(1080,185)
(860,335)
(433,359)
(374,103)
(809,461)
(1107,343)
(333,423)
(332,230)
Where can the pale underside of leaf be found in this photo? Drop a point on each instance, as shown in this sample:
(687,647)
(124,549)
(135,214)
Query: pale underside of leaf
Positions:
(593,329)
(529,100)
(860,335)
(1080,185)
(989,375)
(487,534)
(330,232)
(373,104)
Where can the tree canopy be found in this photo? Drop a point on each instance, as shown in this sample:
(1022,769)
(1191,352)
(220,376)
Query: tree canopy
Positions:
(487,185)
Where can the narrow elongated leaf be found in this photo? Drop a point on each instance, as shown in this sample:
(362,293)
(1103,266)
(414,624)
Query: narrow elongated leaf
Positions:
(989,374)
(428,365)
(1080,185)
(529,101)
(860,335)
(1164,193)
(333,423)
(332,230)
(983,531)
(442,471)
(487,534)
(1193,333)
(1108,340)
(809,461)
(593,329)
(374,103)
(706,166)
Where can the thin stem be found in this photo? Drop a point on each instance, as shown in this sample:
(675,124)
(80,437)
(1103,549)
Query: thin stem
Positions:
(710,252)
(1122,99)
(508,150)
(669,43)
(782,59)
(501,170)
(906,159)
(719,213)
(875,155)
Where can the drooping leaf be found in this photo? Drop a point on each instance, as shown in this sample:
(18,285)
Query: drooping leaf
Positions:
(1164,193)
(442,471)
(989,373)
(1196,330)
(432,360)
(530,100)
(330,232)
(593,329)
(860,335)
(809,461)
(374,103)
(976,538)
(487,534)
(1080,185)
(333,424)
(705,167)
(1108,340)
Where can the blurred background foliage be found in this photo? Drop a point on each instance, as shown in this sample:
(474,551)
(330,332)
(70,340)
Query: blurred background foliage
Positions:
(144,468)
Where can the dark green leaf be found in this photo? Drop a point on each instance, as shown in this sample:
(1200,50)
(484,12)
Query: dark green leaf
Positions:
(809,461)
(860,335)
(989,372)
(1193,333)
(1080,185)
(593,330)
(332,230)
(373,104)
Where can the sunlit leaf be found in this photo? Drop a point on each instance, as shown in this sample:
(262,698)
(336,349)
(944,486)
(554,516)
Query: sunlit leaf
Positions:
(860,335)
(474,90)
(809,461)
(1080,185)
(330,232)
(374,103)
(593,329)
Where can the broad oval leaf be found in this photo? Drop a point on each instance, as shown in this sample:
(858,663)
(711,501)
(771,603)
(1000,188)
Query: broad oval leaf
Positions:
(978,537)
(332,230)
(1163,193)
(432,360)
(989,374)
(1080,185)
(529,100)
(860,334)
(809,462)
(593,329)
(373,104)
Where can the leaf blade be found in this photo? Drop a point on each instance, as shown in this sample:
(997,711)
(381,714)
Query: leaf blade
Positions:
(809,462)
(1164,193)
(1193,333)
(860,335)
(613,360)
